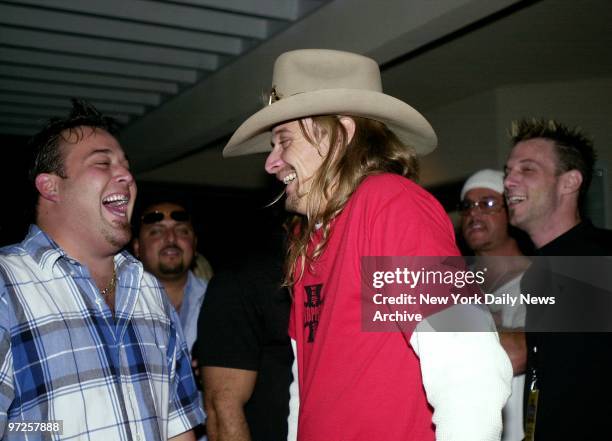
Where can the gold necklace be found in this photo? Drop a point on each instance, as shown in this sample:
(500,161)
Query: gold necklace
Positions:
(111,285)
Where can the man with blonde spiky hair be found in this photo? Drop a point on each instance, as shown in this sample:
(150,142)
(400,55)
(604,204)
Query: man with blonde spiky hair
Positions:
(346,154)
(563,155)
(568,384)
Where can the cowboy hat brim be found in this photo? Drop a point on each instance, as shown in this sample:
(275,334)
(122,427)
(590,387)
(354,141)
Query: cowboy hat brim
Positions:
(253,136)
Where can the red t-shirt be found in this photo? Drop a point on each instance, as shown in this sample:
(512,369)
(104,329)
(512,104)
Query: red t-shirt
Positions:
(357,385)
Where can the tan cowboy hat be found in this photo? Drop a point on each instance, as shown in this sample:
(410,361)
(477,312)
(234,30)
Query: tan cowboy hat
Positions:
(310,82)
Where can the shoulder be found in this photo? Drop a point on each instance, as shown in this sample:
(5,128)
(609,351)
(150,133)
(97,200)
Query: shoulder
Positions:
(257,266)
(196,285)
(14,252)
(251,279)
(10,249)
(393,194)
(16,263)
(388,187)
(388,184)
(583,240)
(152,295)
(602,238)
(396,216)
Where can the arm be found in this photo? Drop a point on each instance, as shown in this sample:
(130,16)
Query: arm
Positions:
(513,342)
(467,378)
(185,436)
(511,327)
(226,390)
(184,404)
(294,398)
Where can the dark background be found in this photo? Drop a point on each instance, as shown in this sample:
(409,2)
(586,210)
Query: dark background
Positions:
(231,223)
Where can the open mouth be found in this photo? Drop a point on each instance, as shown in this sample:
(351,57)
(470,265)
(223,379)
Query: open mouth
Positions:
(290,178)
(117,204)
(476,226)
(171,251)
(515,199)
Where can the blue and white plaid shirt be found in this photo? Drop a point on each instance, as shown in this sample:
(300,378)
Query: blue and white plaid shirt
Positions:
(64,357)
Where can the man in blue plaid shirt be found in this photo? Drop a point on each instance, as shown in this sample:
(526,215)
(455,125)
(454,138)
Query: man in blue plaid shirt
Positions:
(87,337)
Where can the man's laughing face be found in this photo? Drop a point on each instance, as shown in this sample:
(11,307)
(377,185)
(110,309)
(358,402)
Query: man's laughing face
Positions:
(96,198)
(295,161)
(532,184)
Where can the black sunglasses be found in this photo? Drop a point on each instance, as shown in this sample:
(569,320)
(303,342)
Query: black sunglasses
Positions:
(157,216)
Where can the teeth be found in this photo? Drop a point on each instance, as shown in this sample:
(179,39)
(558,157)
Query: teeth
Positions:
(122,198)
(515,199)
(290,177)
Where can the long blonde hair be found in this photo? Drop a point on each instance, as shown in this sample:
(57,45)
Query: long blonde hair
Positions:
(373,149)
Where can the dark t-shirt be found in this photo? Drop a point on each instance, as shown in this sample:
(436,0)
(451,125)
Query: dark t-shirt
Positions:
(243,325)
(574,370)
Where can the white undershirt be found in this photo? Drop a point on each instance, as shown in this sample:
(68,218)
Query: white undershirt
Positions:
(466,375)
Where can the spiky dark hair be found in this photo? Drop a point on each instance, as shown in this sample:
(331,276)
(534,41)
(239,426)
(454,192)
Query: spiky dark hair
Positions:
(45,145)
(574,148)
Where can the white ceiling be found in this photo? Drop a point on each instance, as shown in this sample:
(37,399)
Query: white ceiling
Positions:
(182,75)
(210,111)
(126,56)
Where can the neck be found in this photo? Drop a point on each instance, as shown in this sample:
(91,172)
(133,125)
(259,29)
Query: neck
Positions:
(554,227)
(175,288)
(502,263)
(100,265)
(509,247)
(95,254)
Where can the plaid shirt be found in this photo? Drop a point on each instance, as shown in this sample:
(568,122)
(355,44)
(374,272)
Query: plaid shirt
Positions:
(64,357)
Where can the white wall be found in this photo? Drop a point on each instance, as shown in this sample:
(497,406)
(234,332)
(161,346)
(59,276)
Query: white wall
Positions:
(473,132)
(467,138)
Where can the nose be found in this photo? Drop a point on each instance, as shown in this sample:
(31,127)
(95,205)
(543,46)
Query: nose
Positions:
(510,180)
(123,174)
(274,161)
(169,236)
(471,213)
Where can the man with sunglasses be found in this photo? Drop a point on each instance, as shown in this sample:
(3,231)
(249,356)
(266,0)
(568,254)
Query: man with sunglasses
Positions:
(88,340)
(484,224)
(166,245)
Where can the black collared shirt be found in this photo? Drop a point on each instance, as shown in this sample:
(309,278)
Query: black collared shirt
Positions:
(574,370)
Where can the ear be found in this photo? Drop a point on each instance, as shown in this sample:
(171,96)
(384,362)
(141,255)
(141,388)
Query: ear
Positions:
(349,126)
(571,182)
(136,247)
(48,186)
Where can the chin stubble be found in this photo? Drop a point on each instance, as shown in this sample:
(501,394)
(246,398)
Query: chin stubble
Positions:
(118,238)
(179,268)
